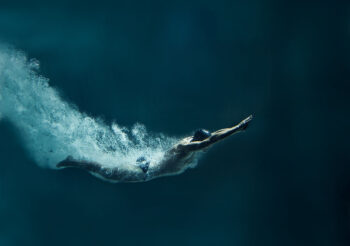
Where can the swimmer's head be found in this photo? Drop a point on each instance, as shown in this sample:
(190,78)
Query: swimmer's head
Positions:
(200,135)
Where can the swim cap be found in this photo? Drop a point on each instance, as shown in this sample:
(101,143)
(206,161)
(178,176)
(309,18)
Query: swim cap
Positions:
(200,135)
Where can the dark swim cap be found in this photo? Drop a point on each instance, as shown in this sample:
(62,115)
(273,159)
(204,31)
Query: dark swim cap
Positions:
(200,135)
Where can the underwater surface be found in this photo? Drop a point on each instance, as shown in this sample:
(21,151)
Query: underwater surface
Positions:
(162,70)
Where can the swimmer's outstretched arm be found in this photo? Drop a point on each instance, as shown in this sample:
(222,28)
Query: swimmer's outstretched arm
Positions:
(219,135)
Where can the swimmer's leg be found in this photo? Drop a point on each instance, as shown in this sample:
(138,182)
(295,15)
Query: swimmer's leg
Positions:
(88,166)
(111,174)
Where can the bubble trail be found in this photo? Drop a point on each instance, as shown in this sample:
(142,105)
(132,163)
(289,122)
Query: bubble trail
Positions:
(52,129)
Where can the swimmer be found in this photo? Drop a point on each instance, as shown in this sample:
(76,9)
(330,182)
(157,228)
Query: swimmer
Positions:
(175,161)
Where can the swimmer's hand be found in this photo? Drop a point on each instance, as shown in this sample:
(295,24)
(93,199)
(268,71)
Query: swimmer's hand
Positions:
(245,123)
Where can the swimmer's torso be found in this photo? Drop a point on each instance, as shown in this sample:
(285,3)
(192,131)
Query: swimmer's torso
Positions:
(175,161)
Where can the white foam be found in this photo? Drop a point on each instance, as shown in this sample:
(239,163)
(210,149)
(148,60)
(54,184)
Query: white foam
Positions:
(53,129)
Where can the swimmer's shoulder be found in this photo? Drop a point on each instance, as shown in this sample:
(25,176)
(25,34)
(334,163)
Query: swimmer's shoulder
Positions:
(182,144)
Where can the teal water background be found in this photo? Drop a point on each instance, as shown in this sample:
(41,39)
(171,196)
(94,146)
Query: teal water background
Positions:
(178,66)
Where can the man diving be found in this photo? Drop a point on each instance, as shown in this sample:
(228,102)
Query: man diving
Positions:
(175,161)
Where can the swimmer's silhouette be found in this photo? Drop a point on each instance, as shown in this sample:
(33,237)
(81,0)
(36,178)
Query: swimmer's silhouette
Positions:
(175,160)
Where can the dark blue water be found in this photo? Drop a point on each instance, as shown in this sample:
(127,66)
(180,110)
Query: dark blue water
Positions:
(178,66)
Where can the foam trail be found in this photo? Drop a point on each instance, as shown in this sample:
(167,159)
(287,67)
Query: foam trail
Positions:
(53,129)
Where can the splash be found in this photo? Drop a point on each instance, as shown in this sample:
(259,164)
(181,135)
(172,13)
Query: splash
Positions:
(53,129)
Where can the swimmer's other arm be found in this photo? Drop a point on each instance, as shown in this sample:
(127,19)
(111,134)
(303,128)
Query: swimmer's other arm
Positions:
(219,135)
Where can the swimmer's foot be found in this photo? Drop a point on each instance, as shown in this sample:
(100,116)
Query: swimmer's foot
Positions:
(68,162)
(245,123)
